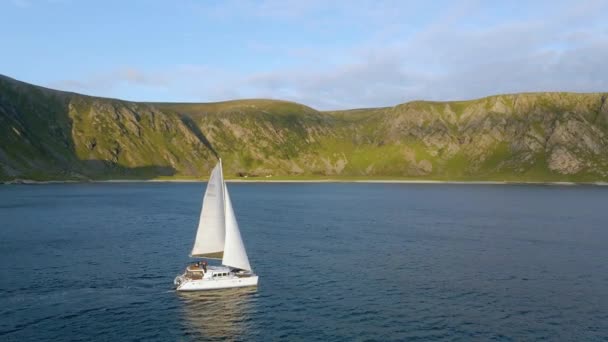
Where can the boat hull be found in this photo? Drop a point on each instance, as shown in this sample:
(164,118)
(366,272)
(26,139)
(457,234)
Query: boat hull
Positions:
(217,284)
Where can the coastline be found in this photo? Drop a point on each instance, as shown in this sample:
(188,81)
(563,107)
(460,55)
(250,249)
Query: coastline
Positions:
(312,181)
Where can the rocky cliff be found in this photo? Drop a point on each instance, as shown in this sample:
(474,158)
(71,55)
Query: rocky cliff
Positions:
(47,134)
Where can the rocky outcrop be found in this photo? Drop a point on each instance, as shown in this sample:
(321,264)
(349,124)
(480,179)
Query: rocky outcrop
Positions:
(564,162)
(47,134)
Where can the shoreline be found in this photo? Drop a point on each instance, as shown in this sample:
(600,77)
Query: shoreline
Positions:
(304,181)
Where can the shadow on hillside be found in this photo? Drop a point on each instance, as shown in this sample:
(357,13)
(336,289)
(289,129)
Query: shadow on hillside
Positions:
(110,170)
(197,132)
(36,138)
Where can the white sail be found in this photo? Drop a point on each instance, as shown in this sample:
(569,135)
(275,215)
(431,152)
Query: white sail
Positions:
(209,242)
(234,249)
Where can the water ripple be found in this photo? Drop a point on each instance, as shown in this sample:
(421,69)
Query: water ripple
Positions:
(338,262)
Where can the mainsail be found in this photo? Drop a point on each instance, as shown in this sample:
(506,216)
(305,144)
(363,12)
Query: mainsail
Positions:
(234,250)
(209,242)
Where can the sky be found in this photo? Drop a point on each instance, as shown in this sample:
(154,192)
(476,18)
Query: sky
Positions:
(325,54)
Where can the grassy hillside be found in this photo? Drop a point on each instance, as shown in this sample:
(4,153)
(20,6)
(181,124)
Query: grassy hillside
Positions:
(47,134)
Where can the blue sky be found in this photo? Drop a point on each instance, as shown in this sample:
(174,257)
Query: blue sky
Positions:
(329,55)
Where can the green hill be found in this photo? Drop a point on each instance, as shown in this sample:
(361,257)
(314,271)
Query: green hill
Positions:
(52,135)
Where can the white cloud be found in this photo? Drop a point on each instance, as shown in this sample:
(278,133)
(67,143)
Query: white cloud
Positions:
(109,80)
(21,3)
(463,52)
(29,3)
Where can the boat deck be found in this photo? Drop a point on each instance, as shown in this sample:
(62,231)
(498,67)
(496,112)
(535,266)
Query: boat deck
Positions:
(195,268)
(197,272)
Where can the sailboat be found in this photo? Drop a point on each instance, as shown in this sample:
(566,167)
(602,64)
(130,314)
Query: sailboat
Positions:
(218,237)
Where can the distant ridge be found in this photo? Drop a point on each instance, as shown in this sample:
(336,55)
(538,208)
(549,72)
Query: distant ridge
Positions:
(47,134)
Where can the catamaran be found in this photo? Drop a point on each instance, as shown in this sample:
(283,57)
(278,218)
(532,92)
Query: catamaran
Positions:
(218,237)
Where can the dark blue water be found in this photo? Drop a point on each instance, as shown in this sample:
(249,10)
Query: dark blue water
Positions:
(336,262)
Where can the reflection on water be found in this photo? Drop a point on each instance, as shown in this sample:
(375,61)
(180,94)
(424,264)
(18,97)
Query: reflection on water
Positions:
(219,315)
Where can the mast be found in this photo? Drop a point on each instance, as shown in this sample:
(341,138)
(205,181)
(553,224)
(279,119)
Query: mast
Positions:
(223,189)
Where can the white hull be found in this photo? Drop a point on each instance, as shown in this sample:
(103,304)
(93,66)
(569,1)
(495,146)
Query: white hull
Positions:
(217,284)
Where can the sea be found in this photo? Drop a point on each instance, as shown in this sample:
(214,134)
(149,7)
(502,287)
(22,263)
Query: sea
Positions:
(336,261)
